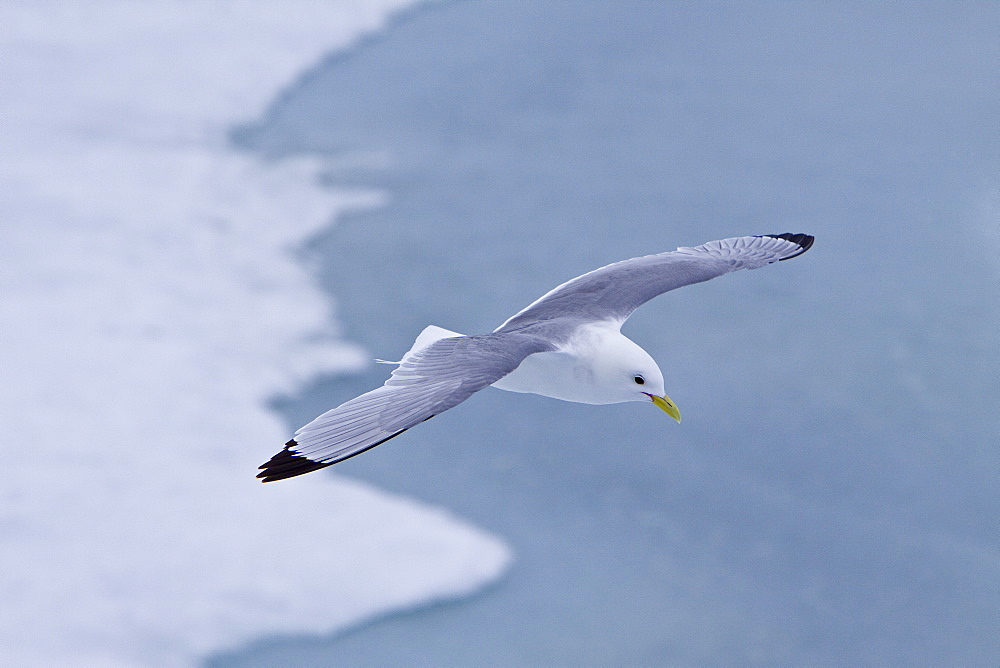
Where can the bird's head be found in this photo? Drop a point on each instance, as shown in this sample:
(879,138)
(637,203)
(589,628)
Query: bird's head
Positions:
(626,372)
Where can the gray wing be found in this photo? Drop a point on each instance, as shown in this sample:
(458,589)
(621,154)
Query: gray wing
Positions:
(615,291)
(427,382)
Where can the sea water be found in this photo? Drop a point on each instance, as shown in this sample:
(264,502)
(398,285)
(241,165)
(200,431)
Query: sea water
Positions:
(831,496)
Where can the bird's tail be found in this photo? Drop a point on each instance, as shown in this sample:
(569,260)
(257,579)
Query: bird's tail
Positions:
(430,334)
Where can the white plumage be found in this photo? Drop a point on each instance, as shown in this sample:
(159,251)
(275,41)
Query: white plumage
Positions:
(567,345)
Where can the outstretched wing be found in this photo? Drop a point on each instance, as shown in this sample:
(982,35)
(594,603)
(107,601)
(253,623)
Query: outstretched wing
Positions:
(427,382)
(615,291)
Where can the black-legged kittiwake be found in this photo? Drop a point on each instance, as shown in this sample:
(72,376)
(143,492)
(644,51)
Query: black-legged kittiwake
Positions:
(566,345)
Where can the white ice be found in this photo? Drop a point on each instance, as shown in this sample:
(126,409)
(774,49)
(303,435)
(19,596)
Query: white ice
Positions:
(150,305)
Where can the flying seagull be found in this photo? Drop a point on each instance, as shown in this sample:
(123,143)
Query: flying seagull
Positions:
(566,345)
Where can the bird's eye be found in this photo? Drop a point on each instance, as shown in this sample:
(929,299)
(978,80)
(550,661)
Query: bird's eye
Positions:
(639,380)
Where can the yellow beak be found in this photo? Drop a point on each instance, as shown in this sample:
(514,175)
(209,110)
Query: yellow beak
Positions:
(668,406)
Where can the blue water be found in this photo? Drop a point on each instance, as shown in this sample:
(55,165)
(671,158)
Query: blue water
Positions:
(832,494)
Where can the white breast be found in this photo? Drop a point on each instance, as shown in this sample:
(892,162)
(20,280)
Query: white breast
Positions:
(556,374)
(584,370)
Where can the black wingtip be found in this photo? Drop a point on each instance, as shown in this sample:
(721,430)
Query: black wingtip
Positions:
(288,464)
(804,241)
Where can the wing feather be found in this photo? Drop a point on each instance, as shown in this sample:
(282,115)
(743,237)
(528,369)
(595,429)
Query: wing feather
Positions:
(614,291)
(427,382)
